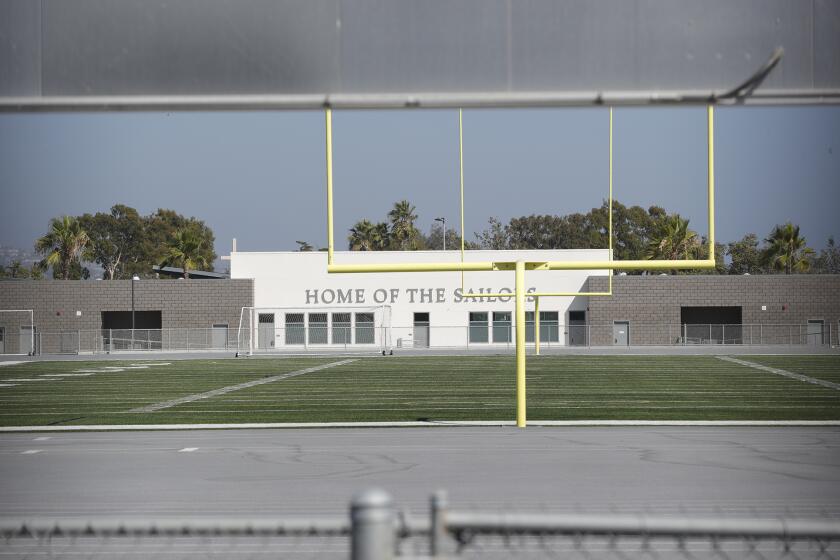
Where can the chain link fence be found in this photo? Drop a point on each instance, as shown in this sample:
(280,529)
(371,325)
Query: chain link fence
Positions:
(376,530)
(337,336)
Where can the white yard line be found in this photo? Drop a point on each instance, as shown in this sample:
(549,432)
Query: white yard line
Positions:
(441,424)
(31,451)
(231,388)
(188,450)
(782,372)
(11,363)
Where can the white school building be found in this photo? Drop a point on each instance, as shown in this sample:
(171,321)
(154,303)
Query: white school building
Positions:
(298,304)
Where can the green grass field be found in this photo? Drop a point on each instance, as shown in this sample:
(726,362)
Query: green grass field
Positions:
(412,388)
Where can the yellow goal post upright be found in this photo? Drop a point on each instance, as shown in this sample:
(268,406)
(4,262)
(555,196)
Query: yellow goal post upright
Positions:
(520,266)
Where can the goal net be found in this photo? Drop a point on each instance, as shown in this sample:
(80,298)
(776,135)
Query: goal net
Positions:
(17,331)
(292,329)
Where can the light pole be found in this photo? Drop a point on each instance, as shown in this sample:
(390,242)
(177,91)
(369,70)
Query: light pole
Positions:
(134,279)
(443,220)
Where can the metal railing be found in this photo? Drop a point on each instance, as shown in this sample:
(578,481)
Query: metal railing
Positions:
(376,530)
(377,338)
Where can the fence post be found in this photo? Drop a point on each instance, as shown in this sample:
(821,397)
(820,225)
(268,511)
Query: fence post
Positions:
(372,526)
(437,535)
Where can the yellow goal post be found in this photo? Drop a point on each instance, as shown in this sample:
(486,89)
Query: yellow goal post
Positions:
(520,266)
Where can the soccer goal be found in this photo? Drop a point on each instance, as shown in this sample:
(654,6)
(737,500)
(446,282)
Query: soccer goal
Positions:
(295,329)
(17,332)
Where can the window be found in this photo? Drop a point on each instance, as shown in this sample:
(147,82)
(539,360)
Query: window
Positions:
(295,330)
(502,326)
(317,328)
(478,326)
(341,328)
(549,326)
(364,328)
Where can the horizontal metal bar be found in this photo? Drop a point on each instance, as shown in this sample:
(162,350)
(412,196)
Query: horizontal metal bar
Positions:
(578,524)
(316,101)
(111,527)
(553,265)
(413,267)
(629,265)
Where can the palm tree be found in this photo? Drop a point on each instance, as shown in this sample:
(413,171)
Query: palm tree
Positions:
(786,250)
(675,240)
(403,232)
(186,250)
(382,236)
(362,236)
(63,245)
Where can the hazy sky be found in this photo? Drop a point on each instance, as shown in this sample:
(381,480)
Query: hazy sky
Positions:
(260,177)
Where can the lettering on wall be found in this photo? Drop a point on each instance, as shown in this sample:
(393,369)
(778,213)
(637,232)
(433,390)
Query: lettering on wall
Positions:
(389,296)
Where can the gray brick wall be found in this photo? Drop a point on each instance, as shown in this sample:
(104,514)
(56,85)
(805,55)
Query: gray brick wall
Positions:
(789,300)
(183,303)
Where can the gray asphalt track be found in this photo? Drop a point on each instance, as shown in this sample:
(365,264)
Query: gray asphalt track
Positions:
(313,472)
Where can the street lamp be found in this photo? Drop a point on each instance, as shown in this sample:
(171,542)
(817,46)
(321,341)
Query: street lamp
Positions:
(134,279)
(443,220)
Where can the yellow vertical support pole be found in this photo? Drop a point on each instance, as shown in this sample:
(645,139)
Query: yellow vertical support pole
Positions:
(610,218)
(461,172)
(537,325)
(520,344)
(711,133)
(328,117)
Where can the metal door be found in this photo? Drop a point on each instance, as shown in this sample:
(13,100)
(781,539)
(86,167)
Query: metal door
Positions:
(815,333)
(577,328)
(621,333)
(266,331)
(421,330)
(220,334)
(27,340)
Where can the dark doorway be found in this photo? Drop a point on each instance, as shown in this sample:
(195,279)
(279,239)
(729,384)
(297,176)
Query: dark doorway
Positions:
(421,330)
(577,328)
(711,325)
(117,333)
(122,320)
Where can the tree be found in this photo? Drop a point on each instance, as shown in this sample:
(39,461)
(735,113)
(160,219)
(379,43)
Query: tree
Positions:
(367,236)
(403,235)
(304,246)
(673,241)
(787,250)
(115,238)
(63,245)
(159,232)
(828,262)
(434,240)
(16,270)
(363,236)
(494,237)
(186,251)
(745,256)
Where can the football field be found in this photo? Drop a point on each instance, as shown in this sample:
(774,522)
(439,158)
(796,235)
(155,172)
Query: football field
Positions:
(341,389)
